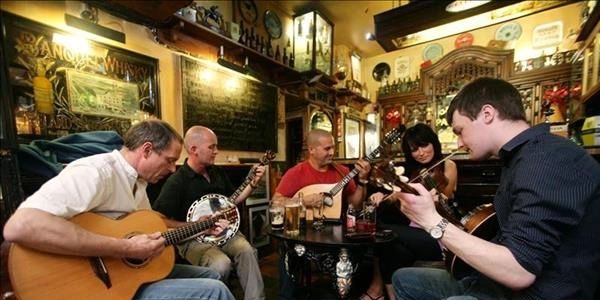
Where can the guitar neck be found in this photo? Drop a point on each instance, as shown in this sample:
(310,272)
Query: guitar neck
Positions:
(340,185)
(182,233)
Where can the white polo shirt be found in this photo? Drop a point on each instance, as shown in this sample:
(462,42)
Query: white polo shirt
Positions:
(101,183)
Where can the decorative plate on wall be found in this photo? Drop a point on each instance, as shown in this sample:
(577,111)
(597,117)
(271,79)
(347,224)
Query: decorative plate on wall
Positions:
(381,71)
(463,40)
(248,11)
(509,32)
(433,51)
(272,24)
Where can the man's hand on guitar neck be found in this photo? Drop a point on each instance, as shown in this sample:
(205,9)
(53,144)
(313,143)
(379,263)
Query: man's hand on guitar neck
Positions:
(364,168)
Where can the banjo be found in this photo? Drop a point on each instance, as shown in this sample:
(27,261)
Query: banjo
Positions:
(211,204)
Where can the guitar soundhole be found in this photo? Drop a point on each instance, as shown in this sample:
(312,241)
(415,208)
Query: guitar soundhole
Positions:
(135,262)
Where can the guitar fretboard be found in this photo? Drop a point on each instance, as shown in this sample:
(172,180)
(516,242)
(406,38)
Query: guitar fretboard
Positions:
(340,185)
(266,159)
(177,235)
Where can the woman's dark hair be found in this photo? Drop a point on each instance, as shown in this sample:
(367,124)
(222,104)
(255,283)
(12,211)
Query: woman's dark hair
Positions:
(420,135)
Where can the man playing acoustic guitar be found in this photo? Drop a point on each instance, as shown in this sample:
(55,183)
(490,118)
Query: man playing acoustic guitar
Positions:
(547,204)
(111,184)
(318,169)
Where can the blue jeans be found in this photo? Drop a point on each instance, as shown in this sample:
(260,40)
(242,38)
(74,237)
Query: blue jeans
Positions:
(426,284)
(186,282)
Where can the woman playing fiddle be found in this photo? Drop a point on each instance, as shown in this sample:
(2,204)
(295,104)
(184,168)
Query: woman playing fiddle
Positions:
(422,150)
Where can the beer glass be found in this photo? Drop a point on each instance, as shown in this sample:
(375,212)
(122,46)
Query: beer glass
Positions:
(318,215)
(276,217)
(291,224)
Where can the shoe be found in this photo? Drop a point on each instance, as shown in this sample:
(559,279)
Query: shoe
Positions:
(366,296)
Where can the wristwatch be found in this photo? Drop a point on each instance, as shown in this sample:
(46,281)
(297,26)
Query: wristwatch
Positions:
(363,182)
(437,231)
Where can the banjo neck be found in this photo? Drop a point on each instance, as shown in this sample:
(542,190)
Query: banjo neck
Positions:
(266,159)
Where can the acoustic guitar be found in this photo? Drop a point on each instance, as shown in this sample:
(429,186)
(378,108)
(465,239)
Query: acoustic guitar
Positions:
(332,209)
(41,275)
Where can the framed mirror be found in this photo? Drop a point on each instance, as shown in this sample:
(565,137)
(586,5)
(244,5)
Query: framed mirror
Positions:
(380,71)
(320,120)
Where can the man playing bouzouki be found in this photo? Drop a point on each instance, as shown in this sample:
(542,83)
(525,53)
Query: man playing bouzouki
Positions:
(547,205)
(318,169)
(111,184)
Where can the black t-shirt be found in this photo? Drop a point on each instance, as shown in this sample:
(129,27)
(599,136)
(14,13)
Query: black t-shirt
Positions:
(186,186)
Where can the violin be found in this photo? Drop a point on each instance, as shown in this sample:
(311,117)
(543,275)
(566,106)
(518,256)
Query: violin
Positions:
(383,176)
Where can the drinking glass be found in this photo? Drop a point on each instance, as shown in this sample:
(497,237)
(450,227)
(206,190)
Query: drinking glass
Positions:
(318,215)
(291,224)
(276,217)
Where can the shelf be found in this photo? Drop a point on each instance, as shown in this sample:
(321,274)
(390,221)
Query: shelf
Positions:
(276,71)
(347,97)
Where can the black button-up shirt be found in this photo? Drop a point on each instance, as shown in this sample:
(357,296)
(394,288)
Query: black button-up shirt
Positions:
(548,208)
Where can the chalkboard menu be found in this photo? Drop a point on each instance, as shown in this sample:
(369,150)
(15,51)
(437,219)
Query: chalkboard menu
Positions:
(240,110)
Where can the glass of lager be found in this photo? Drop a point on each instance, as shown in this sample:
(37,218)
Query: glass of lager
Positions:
(291,225)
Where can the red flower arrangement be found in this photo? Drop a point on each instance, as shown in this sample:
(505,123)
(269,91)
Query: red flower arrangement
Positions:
(393,117)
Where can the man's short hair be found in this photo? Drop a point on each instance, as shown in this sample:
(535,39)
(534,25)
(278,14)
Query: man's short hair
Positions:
(496,92)
(158,132)
(315,134)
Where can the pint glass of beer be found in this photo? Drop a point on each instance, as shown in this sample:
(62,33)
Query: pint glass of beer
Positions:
(276,217)
(292,217)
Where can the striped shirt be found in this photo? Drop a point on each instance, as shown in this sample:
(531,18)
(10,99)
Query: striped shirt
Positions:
(548,208)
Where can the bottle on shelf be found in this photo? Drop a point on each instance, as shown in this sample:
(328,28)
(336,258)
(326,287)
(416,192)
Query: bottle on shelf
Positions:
(285,57)
(242,38)
(350,219)
(269,48)
(292,60)
(277,54)
(42,91)
(302,211)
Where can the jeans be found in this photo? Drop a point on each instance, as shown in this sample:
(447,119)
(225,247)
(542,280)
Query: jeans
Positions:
(245,260)
(186,282)
(430,284)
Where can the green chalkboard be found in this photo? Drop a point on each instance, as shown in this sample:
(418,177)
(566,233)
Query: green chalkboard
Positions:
(240,110)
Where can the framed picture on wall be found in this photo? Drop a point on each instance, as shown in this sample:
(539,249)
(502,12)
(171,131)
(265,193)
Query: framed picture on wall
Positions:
(355,63)
(258,217)
(351,138)
(78,84)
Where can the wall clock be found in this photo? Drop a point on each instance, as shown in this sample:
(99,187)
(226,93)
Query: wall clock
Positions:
(272,24)
(248,11)
(509,31)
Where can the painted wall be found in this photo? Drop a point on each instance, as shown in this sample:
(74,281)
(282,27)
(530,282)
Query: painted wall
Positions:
(138,39)
(570,15)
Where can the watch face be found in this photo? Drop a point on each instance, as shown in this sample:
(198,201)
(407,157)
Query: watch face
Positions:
(436,232)
(248,11)
(272,24)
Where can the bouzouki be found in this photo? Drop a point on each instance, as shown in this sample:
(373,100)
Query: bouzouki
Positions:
(332,208)
(40,275)
(213,203)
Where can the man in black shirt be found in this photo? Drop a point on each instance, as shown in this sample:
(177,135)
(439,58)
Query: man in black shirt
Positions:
(196,178)
(547,204)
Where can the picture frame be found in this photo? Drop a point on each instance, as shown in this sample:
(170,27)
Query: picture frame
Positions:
(259,224)
(402,67)
(36,50)
(547,35)
(355,61)
(351,138)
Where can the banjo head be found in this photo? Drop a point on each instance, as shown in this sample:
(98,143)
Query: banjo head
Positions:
(209,205)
